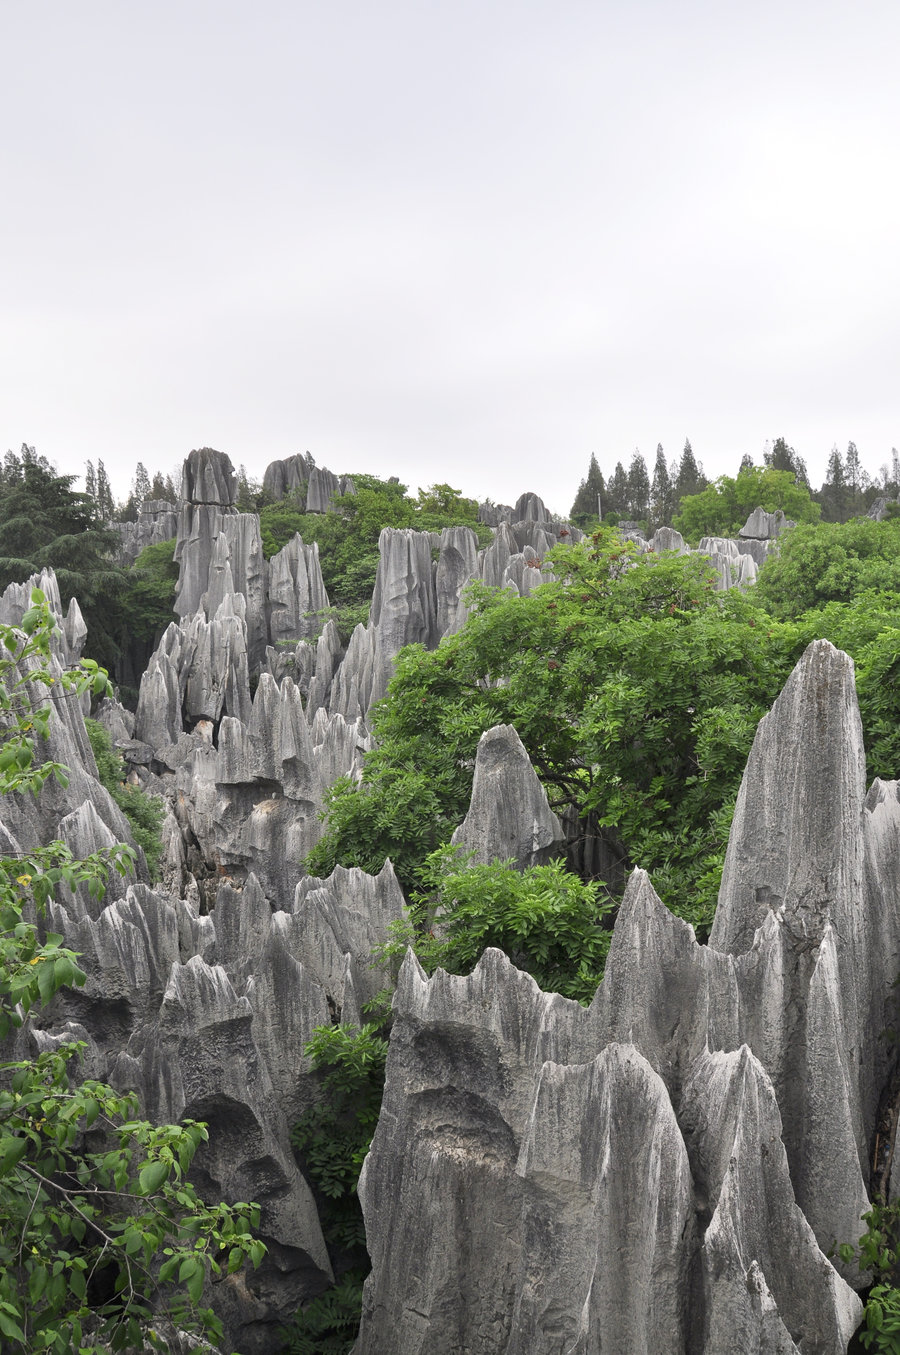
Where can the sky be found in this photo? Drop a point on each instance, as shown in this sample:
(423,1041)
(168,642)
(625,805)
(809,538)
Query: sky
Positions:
(471,242)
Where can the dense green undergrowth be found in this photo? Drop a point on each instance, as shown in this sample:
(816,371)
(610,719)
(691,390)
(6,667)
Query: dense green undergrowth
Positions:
(144,812)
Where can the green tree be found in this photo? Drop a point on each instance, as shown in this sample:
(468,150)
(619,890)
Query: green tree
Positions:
(638,488)
(106,506)
(690,478)
(782,457)
(44,523)
(820,563)
(833,495)
(590,500)
(634,686)
(662,494)
(617,493)
(87,1189)
(141,483)
(724,506)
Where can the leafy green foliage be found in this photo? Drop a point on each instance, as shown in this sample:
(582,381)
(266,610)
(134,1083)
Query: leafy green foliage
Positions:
(333,1136)
(636,689)
(724,506)
(831,562)
(878,1251)
(144,812)
(45,523)
(329,1324)
(99,1228)
(547,920)
(348,535)
(332,1139)
(150,591)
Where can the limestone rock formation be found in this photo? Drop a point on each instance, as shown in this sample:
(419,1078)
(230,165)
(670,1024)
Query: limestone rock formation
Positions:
(157,520)
(283,477)
(509,817)
(763,526)
(733,1087)
(297,596)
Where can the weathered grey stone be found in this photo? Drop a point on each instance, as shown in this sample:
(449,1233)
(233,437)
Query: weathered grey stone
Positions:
(457,566)
(158,720)
(530,507)
(67,641)
(766,1284)
(765,526)
(759,550)
(283,477)
(208,478)
(297,594)
(347,915)
(403,608)
(666,538)
(718,545)
(601,1259)
(157,520)
(322,490)
(509,817)
(496,556)
(328,654)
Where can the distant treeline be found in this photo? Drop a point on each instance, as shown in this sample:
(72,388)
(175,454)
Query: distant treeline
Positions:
(657,500)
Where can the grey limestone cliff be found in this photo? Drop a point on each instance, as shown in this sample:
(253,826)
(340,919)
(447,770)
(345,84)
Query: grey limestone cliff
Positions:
(666,1170)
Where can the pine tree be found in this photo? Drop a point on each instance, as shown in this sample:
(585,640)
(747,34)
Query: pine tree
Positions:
(163,488)
(833,495)
(856,480)
(105,504)
(617,492)
(590,499)
(638,487)
(90,481)
(782,457)
(690,478)
(141,483)
(661,493)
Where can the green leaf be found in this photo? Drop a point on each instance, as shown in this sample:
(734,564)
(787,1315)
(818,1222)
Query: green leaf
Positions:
(12,1150)
(152,1176)
(10,1328)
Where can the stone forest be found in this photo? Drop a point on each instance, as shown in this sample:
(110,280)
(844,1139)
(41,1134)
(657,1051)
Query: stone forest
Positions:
(513,899)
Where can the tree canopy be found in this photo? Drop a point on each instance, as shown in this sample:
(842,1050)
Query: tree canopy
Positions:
(45,523)
(722,508)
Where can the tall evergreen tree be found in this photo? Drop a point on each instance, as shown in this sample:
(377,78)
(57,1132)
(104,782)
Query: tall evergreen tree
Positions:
(690,478)
(90,481)
(44,522)
(833,495)
(662,496)
(590,499)
(141,483)
(163,488)
(856,479)
(638,487)
(782,457)
(746,462)
(617,492)
(105,504)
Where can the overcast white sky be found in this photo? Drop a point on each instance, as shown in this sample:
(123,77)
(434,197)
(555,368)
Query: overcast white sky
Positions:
(471,241)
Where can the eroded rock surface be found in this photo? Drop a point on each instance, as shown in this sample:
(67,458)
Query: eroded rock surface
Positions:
(667,1169)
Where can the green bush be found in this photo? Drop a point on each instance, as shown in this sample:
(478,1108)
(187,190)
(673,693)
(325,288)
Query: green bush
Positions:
(145,813)
(548,921)
(332,1139)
